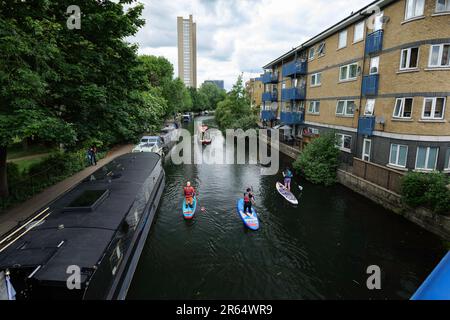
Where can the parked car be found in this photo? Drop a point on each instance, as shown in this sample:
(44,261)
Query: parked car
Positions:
(187,117)
(150,144)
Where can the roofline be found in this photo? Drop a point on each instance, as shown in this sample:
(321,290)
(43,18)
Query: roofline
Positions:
(331,30)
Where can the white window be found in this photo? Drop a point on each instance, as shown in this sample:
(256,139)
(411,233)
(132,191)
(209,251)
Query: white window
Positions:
(312,52)
(321,49)
(314,107)
(414,8)
(409,58)
(359,32)
(342,39)
(403,108)
(433,108)
(374,65)
(367,148)
(370,106)
(442,5)
(345,108)
(316,79)
(348,72)
(399,155)
(426,158)
(344,142)
(447,160)
(440,55)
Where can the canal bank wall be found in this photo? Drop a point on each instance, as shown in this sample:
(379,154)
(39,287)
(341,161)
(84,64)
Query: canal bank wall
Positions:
(437,224)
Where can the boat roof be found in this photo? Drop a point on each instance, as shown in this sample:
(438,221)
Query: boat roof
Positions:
(76,236)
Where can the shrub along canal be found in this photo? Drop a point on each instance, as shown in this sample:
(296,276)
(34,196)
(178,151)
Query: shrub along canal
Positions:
(320,249)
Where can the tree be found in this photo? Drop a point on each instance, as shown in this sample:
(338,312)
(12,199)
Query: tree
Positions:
(319,160)
(213,95)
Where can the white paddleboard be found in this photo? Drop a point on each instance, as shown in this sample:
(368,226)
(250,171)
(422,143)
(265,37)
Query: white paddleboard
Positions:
(289,196)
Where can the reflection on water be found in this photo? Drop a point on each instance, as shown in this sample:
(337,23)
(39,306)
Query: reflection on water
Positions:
(317,250)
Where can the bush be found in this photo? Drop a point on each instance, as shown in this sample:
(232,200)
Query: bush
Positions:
(427,190)
(319,160)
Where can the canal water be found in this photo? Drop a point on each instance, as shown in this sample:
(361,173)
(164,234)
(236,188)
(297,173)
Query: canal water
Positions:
(320,249)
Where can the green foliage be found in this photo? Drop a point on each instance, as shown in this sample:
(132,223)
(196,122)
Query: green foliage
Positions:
(427,190)
(234,111)
(319,160)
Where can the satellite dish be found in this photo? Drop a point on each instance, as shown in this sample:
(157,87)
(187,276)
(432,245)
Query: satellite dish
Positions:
(380,120)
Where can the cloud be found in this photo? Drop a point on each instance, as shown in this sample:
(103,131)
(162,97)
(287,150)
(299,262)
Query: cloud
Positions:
(235,36)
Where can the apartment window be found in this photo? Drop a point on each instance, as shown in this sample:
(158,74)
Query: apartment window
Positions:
(344,142)
(399,155)
(342,39)
(426,158)
(414,8)
(370,106)
(403,108)
(321,49)
(374,65)
(443,6)
(316,79)
(409,58)
(447,160)
(312,52)
(433,108)
(359,32)
(345,108)
(440,55)
(314,107)
(348,72)
(367,148)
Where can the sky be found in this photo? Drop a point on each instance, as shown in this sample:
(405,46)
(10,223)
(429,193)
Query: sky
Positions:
(237,36)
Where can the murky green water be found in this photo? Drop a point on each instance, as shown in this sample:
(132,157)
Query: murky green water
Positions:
(317,250)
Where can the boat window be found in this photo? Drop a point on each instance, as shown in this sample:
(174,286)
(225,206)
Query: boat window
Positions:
(87,199)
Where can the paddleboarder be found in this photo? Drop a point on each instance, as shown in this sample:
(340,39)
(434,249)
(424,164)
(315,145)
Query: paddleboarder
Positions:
(249,199)
(288,175)
(189,193)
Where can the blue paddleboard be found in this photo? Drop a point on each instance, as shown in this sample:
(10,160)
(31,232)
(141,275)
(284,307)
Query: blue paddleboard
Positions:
(189,212)
(250,221)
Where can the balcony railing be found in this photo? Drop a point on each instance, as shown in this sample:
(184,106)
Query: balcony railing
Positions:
(366,125)
(293,94)
(270,77)
(267,115)
(290,118)
(294,68)
(374,42)
(269,96)
(370,85)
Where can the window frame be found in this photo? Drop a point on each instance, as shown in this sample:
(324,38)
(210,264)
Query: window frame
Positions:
(447,5)
(398,155)
(316,104)
(345,114)
(427,158)
(403,108)
(433,108)
(373,109)
(447,160)
(415,8)
(348,66)
(364,151)
(315,76)
(374,58)
(363,23)
(341,146)
(346,39)
(313,50)
(323,46)
(408,59)
(441,53)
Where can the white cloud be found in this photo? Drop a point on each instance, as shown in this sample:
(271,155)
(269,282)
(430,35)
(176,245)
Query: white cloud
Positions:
(237,36)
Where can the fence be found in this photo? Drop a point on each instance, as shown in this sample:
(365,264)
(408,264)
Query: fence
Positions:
(379,175)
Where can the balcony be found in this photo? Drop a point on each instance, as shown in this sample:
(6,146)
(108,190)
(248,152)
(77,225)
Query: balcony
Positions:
(291,118)
(374,42)
(270,77)
(293,94)
(267,115)
(370,85)
(269,96)
(294,68)
(366,125)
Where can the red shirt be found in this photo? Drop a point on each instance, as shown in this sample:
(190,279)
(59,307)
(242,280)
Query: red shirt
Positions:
(189,191)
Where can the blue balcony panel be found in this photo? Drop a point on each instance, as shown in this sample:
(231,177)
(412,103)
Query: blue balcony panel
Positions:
(270,77)
(292,118)
(267,115)
(293,94)
(374,42)
(294,68)
(370,85)
(269,96)
(366,125)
